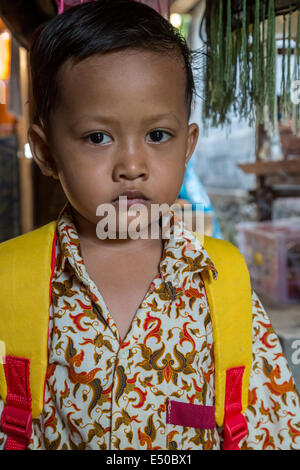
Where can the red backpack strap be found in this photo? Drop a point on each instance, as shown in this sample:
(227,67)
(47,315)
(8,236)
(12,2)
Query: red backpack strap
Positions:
(16,418)
(235,423)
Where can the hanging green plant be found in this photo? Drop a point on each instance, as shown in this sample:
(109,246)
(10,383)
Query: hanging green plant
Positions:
(241,66)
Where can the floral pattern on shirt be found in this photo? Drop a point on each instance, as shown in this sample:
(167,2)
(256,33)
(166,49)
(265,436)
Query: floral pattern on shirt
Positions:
(102,393)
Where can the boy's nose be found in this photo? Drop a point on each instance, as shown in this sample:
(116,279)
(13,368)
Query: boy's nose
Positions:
(130,171)
(131,165)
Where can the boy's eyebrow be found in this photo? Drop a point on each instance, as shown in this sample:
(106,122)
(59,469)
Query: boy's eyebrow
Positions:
(157,117)
(111,120)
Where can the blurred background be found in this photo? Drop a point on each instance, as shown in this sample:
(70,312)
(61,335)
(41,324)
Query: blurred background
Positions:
(245,171)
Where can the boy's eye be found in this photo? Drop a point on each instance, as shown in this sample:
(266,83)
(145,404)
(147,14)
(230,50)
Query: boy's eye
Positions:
(98,138)
(159,136)
(156,136)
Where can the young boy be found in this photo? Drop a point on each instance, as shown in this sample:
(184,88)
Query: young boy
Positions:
(129,325)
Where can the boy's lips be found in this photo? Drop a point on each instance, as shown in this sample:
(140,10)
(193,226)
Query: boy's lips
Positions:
(133,197)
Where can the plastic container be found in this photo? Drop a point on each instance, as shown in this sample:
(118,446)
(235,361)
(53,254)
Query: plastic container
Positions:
(272,253)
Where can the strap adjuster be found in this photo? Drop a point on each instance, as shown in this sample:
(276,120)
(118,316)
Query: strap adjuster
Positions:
(235,428)
(16,422)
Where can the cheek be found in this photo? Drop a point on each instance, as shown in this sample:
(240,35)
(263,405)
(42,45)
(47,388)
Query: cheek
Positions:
(78,168)
(171,181)
(81,180)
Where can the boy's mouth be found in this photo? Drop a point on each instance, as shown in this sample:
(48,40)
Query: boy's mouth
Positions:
(133,197)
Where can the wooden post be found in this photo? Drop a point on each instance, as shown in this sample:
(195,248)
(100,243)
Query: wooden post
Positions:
(25,164)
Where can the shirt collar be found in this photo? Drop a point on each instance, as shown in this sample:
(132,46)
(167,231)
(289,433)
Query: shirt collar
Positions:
(182,252)
(68,241)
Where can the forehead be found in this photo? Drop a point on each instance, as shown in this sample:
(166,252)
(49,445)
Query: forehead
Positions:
(128,77)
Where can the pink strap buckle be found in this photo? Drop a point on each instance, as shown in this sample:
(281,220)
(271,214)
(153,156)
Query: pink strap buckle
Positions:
(235,428)
(16,422)
(235,423)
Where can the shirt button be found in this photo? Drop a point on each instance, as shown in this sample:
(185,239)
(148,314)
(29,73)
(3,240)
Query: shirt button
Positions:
(135,330)
(123,354)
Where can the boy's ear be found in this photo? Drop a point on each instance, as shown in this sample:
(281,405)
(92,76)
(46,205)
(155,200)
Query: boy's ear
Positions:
(193,134)
(41,151)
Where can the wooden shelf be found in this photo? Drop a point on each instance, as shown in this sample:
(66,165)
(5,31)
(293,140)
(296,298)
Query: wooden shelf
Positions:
(278,167)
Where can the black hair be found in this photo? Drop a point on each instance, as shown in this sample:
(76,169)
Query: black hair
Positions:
(93,28)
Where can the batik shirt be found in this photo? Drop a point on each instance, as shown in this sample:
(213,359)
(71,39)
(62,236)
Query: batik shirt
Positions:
(105,393)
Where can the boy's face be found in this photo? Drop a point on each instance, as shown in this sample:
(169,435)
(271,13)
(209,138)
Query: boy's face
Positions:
(120,123)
